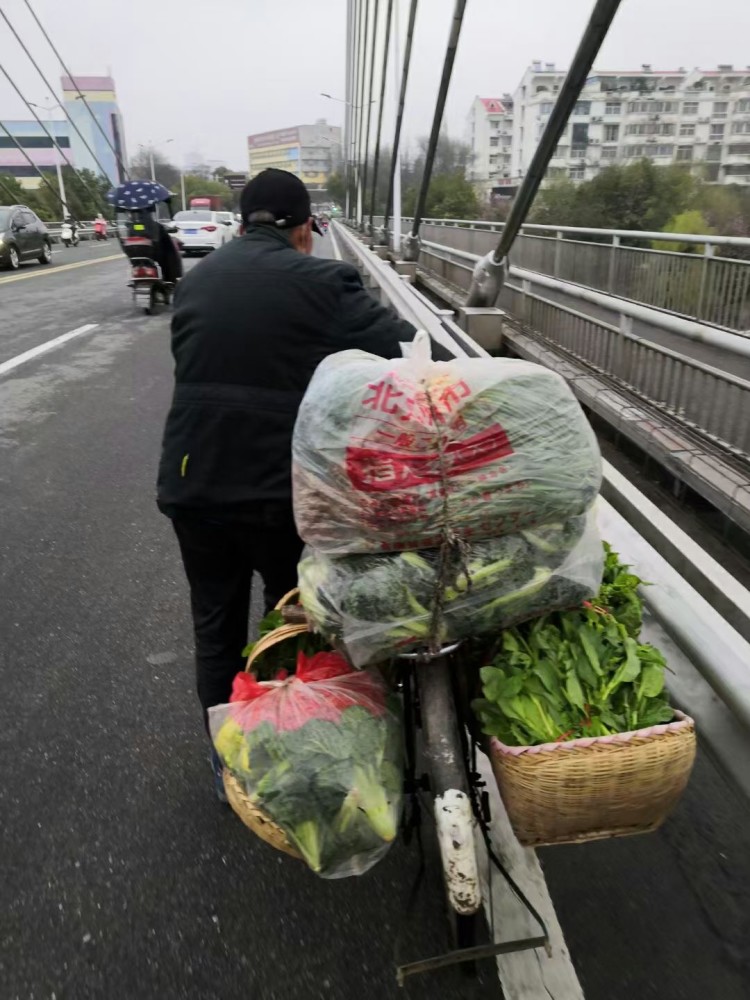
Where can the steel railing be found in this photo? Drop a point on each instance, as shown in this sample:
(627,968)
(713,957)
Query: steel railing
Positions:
(702,285)
(712,403)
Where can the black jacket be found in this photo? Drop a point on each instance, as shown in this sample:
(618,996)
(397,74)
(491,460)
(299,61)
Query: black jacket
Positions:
(250,325)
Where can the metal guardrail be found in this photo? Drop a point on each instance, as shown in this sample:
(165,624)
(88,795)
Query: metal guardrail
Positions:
(710,402)
(708,643)
(702,285)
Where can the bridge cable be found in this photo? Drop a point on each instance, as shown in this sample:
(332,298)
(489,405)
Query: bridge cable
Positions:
(450,56)
(356,107)
(596,31)
(118,158)
(347,102)
(374,46)
(400,116)
(360,106)
(51,89)
(384,73)
(97,197)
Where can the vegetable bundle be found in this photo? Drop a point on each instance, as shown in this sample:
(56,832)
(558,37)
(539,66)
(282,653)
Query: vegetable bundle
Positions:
(320,754)
(387,454)
(378,605)
(577,673)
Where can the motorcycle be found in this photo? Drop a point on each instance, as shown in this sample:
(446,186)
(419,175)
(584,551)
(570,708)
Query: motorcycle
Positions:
(100,229)
(68,235)
(146,240)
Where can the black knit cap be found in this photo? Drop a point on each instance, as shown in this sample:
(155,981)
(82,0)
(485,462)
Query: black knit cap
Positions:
(280,193)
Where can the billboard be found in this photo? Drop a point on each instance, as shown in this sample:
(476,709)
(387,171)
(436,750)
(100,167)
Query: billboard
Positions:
(280,137)
(235,181)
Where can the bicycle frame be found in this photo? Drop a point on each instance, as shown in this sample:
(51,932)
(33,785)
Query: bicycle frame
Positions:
(449,786)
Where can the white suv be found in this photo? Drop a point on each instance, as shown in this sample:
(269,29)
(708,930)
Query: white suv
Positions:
(202,230)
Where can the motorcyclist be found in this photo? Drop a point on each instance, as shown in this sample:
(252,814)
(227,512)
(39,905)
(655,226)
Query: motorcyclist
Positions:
(100,227)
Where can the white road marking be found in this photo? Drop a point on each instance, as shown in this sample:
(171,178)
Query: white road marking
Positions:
(43,272)
(334,244)
(49,345)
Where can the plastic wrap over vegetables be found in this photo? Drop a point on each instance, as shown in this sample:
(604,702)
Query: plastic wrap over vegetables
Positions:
(386,453)
(378,605)
(320,754)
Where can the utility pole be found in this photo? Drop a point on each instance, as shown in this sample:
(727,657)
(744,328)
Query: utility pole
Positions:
(151,162)
(61,185)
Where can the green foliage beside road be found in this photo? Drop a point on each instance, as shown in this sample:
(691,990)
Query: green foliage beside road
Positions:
(646,197)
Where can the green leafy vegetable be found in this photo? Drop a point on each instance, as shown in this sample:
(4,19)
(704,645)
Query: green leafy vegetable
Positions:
(333,783)
(575,673)
(282,655)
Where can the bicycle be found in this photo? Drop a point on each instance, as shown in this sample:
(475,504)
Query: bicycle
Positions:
(436,705)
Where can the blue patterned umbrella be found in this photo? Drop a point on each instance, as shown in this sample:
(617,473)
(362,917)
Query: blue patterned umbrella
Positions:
(137,194)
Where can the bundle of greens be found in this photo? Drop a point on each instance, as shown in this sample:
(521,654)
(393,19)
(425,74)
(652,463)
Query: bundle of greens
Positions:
(378,605)
(576,673)
(320,754)
(281,658)
(385,452)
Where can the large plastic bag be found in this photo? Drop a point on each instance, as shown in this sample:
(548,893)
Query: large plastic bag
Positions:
(379,605)
(320,754)
(387,454)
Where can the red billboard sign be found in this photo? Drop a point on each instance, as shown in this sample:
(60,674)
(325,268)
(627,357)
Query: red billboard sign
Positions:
(281,137)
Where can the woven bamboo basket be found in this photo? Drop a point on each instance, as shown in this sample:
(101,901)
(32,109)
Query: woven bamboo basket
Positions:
(253,817)
(591,789)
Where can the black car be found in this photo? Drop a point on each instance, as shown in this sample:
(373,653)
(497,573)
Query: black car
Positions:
(23,236)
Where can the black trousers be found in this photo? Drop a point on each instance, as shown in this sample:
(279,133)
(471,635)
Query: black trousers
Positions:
(220,558)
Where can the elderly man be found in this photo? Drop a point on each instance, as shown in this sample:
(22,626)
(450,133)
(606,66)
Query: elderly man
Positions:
(250,325)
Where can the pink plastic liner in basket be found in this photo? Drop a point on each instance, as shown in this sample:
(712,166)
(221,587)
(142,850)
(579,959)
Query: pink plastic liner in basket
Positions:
(681,722)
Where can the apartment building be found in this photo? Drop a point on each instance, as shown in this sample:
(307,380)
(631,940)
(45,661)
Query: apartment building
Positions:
(489,132)
(700,118)
(312,152)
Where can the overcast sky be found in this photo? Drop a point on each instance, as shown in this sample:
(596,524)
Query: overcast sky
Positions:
(207,74)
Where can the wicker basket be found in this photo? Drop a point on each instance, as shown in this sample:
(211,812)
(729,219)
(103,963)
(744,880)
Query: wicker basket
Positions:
(590,789)
(253,817)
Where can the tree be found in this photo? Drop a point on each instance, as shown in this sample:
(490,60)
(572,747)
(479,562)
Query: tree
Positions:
(336,187)
(166,173)
(85,195)
(693,223)
(11,192)
(637,196)
(557,205)
(449,196)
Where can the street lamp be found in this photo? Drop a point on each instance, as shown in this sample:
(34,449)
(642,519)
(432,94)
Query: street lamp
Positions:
(58,164)
(150,149)
(357,107)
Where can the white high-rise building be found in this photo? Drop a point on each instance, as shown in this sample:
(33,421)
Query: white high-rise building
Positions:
(700,118)
(489,132)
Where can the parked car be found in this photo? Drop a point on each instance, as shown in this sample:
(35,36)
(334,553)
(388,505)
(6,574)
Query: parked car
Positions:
(203,230)
(23,236)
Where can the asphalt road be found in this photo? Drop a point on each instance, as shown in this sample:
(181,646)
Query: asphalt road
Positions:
(122,878)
